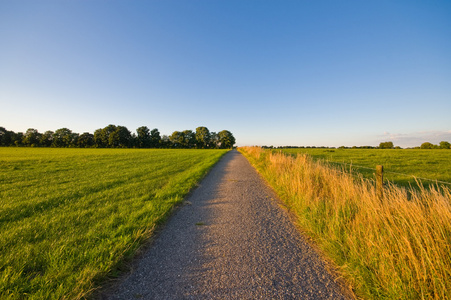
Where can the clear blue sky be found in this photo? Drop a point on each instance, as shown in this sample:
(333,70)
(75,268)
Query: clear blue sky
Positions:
(301,72)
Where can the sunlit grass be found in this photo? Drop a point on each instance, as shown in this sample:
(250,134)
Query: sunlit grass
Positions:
(398,247)
(69,217)
(434,164)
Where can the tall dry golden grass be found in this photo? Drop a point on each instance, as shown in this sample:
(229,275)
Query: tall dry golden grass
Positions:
(398,247)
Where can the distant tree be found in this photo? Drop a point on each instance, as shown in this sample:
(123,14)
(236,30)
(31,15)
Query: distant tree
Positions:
(31,138)
(155,138)
(427,145)
(17,138)
(143,138)
(6,137)
(113,139)
(3,132)
(106,133)
(226,139)
(445,145)
(120,138)
(386,145)
(64,137)
(85,140)
(177,139)
(189,139)
(133,140)
(47,138)
(165,142)
(98,138)
(202,137)
(214,140)
(75,137)
(113,136)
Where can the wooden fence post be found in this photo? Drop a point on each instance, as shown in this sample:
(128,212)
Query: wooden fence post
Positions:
(380,181)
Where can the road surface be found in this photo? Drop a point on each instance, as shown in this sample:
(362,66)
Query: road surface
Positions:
(230,240)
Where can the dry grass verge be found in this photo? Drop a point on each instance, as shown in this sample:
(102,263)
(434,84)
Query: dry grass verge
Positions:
(398,247)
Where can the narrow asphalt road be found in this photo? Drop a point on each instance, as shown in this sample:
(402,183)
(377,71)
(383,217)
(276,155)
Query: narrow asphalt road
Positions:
(230,240)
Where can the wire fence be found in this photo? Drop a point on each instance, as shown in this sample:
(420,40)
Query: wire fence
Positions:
(374,170)
(389,172)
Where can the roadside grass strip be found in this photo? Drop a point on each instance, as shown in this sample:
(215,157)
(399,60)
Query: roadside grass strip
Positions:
(395,247)
(69,218)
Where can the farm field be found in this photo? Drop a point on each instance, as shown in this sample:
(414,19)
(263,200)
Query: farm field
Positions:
(434,164)
(71,217)
(390,247)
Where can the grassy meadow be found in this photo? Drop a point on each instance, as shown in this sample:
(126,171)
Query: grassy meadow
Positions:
(70,217)
(433,164)
(395,247)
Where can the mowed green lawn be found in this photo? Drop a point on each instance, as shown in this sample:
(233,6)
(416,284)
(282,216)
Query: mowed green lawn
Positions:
(70,217)
(434,164)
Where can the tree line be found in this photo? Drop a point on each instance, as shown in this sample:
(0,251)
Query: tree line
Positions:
(425,145)
(113,136)
(383,145)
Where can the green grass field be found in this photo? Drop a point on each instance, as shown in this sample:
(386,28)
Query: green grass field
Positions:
(69,218)
(428,164)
